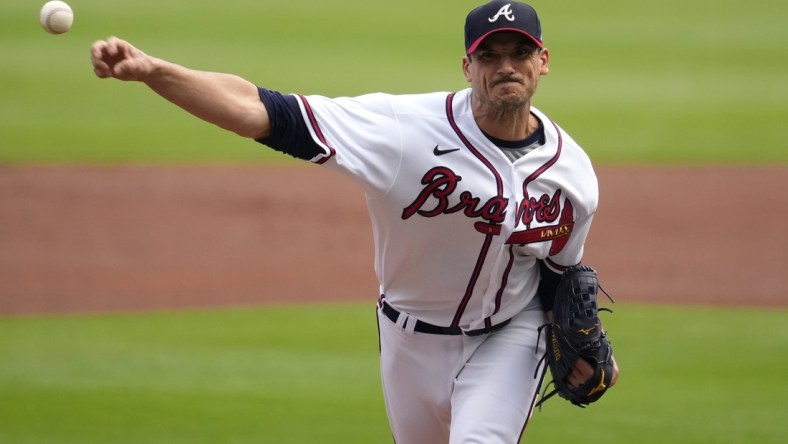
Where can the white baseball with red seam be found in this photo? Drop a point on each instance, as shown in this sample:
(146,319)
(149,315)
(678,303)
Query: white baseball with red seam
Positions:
(56,17)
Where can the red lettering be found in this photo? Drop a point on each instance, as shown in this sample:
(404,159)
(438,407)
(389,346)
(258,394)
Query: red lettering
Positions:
(544,209)
(440,183)
(433,200)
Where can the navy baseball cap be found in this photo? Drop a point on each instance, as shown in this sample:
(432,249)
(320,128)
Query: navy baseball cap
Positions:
(501,15)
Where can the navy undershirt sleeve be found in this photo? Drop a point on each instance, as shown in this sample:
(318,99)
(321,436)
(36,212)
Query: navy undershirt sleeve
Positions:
(289,133)
(548,283)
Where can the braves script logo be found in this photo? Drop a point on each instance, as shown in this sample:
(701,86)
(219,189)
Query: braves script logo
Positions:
(544,210)
(439,185)
(506,12)
(438,196)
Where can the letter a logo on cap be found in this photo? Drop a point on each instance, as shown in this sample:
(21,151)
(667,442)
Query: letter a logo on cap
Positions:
(506,11)
(510,16)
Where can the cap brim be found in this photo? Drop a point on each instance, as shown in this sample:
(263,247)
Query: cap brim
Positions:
(477,42)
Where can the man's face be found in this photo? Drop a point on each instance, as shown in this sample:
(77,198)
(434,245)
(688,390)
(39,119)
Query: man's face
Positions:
(504,71)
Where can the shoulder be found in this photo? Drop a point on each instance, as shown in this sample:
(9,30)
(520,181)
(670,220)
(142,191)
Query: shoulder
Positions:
(384,103)
(571,151)
(573,165)
(419,104)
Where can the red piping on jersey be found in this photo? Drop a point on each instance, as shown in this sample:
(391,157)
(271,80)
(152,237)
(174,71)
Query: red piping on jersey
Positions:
(472,283)
(316,128)
(514,238)
(527,236)
(483,254)
(550,162)
(558,267)
(469,145)
(489,234)
(504,280)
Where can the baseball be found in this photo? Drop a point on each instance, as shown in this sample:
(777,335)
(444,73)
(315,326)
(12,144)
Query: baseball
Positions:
(56,17)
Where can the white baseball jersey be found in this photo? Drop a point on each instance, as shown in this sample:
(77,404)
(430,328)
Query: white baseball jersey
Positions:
(458,226)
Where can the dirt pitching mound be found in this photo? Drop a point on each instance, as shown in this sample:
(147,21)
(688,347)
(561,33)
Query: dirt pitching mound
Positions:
(76,239)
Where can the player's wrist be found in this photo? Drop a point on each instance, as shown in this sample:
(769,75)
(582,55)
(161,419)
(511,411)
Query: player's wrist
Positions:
(154,71)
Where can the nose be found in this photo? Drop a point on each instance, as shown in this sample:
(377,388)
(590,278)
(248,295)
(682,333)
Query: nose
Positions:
(506,66)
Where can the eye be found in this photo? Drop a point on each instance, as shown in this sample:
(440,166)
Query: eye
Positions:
(523,53)
(485,56)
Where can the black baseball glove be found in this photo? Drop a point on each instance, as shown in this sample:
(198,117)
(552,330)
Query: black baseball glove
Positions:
(576,333)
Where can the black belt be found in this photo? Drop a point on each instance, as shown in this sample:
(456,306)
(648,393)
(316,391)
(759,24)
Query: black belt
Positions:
(423,327)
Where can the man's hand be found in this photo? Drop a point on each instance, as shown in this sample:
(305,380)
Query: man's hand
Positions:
(119,59)
(583,371)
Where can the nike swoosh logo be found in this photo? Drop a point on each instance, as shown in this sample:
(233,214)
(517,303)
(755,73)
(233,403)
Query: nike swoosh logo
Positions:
(439,152)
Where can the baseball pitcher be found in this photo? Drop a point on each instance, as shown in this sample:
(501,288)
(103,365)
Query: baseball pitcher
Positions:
(479,202)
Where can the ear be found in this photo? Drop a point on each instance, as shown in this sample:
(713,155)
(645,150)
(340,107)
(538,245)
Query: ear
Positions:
(466,68)
(544,62)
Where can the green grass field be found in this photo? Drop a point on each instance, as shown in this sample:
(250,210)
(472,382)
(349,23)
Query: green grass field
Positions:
(309,375)
(633,82)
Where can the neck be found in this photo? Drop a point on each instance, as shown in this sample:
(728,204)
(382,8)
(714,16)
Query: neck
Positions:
(506,123)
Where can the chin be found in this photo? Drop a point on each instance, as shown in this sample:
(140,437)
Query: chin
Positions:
(510,101)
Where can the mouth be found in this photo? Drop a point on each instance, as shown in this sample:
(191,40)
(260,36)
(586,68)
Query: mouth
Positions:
(507,80)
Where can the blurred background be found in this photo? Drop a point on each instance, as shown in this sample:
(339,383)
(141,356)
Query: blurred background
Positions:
(695,91)
(663,82)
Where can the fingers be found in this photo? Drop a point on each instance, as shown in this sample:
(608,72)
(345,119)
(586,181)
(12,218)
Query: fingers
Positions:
(118,48)
(581,372)
(103,55)
(100,66)
(113,58)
